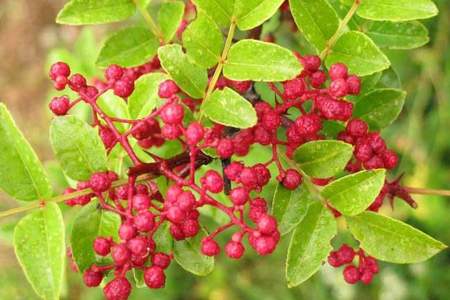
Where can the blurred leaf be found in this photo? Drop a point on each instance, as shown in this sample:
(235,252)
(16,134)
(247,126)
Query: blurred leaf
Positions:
(188,256)
(405,35)
(220,11)
(163,239)
(323,159)
(260,61)
(396,10)
(128,47)
(392,240)
(39,247)
(203,41)
(145,97)
(359,53)
(252,13)
(84,12)
(290,207)
(91,222)
(22,175)
(316,19)
(389,79)
(170,16)
(380,107)
(228,108)
(310,244)
(352,194)
(77,147)
(114,106)
(191,78)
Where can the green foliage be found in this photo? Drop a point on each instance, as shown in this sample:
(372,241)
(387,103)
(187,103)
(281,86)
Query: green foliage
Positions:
(77,147)
(219,10)
(169,16)
(260,61)
(128,47)
(397,10)
(394,35)
(392,240)
(323,159)
(114,106)
(187,254)
(229,108)
(39,246)
(252,13)
(22,175)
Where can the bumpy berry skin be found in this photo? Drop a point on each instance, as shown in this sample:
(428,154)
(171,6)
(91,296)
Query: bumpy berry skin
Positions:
(172,114)
(102,246)
(292,179)
(351,274)
(168,89)
(141,202)
(144,221)
(127,231)
(210,247)
(154,277)
(294,88)
(123,88)
(113,73)
(59,105)
(117,289)
(239,195)
(100,182)
(138,245)
(91,278)
(212,181)
(338,71)
(161,260)
(59,69)
(346,254)
(120,254)
(267,224)
(234,250)
(194,133)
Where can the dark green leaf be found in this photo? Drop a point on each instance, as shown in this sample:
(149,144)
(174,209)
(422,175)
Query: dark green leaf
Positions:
(405,35)
(188,256)
(228,108)
(40,249)
(203,41)
(359,53)
(290,207)
(261,61)
(392,240)
(83,12)
(316,19)
(91,222)
(78,147)
(380,107)
(252,13)
(191,78)
(22,175)
(170,16)
(310,244)
(128,47)
(323,159)
(353,193)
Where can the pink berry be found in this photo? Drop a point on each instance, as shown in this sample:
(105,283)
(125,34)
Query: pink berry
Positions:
(173,192)
(123,88)
(141,201)
(168,89)
(292,179)
(311,62)
(234,250)
(267,224)
(154,277)
(100,182)
(212,181)
(346,254)
(190,228)
(334,260)
(172,114)
(357,128)
(225,148)
(113,73)
(366,277)
(239,195)
(120,254)
(91,278)
(170,132)
(186,201)
(144,221)
(138,245)
(248,178)
(161,260)
(59,69)
(210,247)
(127,231)
(176,232)
(271,120)
(102,246)
(194,133)
(318,78)
(294,88)
(308,124)
(264,245)
(338,88)
(233,171)
(77,82)
(60,105)
(175,214)
(390,159)
(117,289)
(338,71)
(354,85)
(351,274)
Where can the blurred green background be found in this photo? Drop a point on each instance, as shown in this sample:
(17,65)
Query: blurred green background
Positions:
(29,39)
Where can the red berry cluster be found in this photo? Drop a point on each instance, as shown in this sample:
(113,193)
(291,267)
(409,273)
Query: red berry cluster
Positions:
(364,272)
(313,97)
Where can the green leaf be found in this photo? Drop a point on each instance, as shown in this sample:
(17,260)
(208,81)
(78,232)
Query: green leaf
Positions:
(40,249)
(128,47)
(323,159)
(260,61)
(392,240)
(163,239)
(190,77)
(220,11)
(380,107)
(354,193)
(170,16)
(316,19)
(228,108)
(91,222)
(310,244)
(78,147)
(359,53)
(22,175)
(290,207)
(188,256)
(252,13)
(389,79)
(145,96)
(83,12)
(397,10)
(114,106)
(203,41)
(405,35)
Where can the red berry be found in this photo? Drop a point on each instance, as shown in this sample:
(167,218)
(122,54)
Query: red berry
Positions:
(212,181)
(138,245)
(59,69)
(292,179)
(173,192)
(154,277)
(100,182)
(390,159)
(308,124)
(170,132)
(186,201)
(107,136)
(225,148)
(311,62)
(239,86)
(172,114)
(127,231)
(346,254)
(318,78)
(366,277)
(210,247)
(144,221)
(376,142)
(194,133)
(264,245)
(123,88)
(267,224)
(59,105)
(376,162)
(357,128)
(91,278)
(234,250)
(141,201)
(371,264)
(351,274)
(262,174)
(271,120)
(233,171)
(113,73)
(120,254)
(190,228)
(117,289)
(294,88)
(248,178)
(177,232)
(239,195)
(334,260)
(161,260)
(168,89)
(102,246)
(175,214)
(338,71)
(363,151)
(338,88)
(77,82)
(354,85)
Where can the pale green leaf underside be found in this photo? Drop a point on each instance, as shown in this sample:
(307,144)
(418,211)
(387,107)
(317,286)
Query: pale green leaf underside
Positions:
(403,35)
(397,10)
(353,193)
(116,107)
(187,254)
(392,240)
(40,249)
(22,175)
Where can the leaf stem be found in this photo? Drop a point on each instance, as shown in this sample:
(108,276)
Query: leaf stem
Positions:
(343,24)
(150,22)
(425,191)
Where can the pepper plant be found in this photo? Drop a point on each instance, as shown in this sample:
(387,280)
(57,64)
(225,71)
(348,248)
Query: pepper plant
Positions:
(208,121)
